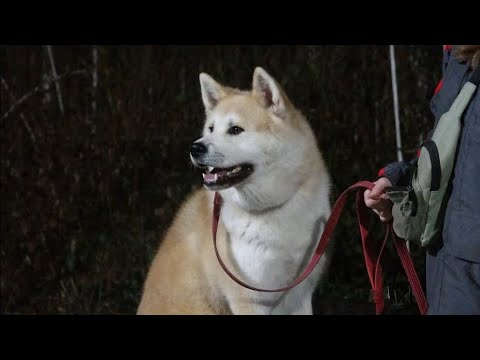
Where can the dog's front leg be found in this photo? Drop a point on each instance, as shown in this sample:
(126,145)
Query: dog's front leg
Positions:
(253,310)
(305,309)
(297,301)
(263,309)
(250,306)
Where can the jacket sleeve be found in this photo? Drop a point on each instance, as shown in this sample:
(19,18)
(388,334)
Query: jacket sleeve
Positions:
(398,172)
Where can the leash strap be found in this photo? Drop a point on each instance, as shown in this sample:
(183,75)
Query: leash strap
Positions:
(372,261)
(407,263)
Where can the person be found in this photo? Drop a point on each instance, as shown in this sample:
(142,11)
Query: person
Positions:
(453,268)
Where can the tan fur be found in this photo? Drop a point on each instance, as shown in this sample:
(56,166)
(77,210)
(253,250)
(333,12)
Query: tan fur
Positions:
(185,271)
(178,277)
(173,284)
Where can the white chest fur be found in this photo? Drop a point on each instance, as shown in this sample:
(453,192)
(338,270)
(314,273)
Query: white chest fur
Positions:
(269,249)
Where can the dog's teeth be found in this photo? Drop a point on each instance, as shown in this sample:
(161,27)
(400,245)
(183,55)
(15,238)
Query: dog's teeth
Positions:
(203,174)
(215,177)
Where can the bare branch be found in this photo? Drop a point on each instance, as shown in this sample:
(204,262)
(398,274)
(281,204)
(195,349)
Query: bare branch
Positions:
(94,77)
(37,89)
(55,75)
(24,120)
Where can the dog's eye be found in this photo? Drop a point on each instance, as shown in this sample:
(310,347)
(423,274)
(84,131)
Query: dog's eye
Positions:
(235,130)
(211,129)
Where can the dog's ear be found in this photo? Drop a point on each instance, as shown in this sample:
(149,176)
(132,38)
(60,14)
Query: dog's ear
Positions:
(212,92)
(269,94)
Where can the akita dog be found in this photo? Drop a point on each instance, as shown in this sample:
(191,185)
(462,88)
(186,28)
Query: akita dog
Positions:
(259,152)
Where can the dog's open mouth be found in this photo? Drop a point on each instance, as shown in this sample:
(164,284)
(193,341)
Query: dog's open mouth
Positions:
(219,178)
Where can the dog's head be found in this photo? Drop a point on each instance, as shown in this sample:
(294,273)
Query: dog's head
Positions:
(251,139)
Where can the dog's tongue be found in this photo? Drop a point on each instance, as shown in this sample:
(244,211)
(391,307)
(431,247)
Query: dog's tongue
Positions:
(214,175)
(208,177)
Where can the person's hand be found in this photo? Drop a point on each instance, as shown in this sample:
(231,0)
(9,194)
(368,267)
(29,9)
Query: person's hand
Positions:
(377,200)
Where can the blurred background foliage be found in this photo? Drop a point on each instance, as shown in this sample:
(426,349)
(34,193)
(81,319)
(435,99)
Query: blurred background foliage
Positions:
(94,165)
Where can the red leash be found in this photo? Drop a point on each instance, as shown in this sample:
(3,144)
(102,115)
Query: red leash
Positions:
(372,261)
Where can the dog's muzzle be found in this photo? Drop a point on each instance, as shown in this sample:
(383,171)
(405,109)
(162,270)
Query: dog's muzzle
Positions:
(218,178)
(197,150)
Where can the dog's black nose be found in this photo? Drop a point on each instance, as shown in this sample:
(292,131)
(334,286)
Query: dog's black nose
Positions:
(198,149)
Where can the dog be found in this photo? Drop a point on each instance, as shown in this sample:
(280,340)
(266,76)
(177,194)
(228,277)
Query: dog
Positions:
(260,154)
